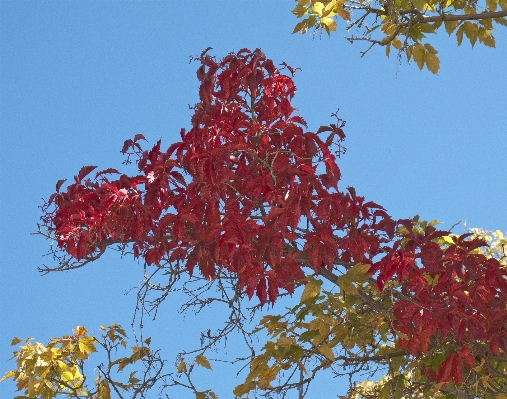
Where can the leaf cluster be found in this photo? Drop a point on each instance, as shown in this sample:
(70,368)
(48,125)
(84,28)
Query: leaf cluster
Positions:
(405,24)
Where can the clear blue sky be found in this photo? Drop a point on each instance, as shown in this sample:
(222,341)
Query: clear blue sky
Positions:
(78,78)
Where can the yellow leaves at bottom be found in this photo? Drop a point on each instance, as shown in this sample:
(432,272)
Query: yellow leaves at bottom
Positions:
(424,54)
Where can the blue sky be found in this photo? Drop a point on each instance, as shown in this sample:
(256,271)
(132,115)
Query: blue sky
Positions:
(78,78)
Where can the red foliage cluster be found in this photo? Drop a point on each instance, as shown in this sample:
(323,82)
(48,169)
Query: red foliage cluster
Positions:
(251,191)
(455,297)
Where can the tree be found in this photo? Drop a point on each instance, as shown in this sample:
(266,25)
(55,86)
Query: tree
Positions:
(249,203)
(404,25)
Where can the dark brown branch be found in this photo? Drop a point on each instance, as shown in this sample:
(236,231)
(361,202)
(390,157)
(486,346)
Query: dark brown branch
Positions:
(462,17)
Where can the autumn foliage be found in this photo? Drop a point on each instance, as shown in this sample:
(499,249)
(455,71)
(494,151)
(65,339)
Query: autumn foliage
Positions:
(250,191)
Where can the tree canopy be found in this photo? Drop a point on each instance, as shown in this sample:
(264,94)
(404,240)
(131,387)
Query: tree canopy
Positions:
(405,25)
(245,209)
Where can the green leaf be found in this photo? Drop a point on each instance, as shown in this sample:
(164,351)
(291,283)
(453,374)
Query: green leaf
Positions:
(203,362)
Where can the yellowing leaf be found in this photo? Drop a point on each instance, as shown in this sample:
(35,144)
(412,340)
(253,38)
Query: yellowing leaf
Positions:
(203,362)
(418,54)
(104,392)
(242,389)
(356,274)
(182,367)
(15,341)
(301,27)
(459,34)
(312,289)
(343,13)
(491,4)
(300,10)
(489,41)
(432,62)
(397,44)
(471,31)
(327,352)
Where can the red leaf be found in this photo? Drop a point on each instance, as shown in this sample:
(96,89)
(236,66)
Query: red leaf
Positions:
(261,291)
(138,137)
(59,184)
(467,357)
(82,248)
(324,129)
(106,171)
(85,170)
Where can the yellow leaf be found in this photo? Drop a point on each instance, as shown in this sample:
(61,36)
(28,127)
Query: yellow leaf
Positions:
(203,362)
(86,345)
(15,341)
(329,24)
(503,4)
(317,8)
(312,289)
(80,331)
(67,376)
(8,375)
